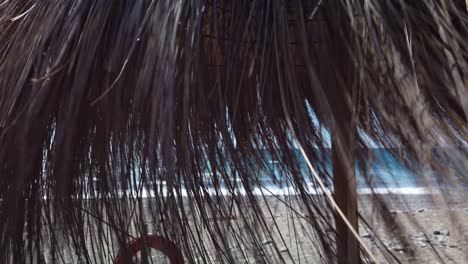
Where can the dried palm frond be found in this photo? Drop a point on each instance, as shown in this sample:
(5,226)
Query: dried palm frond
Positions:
(116,114)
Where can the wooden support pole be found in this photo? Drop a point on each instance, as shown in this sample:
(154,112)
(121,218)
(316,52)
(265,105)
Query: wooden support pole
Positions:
(338,74)
(343,148)
(343,99)
(344,181)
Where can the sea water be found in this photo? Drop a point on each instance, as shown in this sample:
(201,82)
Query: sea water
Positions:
(382,173)
(385,173)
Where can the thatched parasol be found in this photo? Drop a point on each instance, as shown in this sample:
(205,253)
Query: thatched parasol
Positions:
(101,102)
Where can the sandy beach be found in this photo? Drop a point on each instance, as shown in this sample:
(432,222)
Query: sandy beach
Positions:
(436,233)
(433,233)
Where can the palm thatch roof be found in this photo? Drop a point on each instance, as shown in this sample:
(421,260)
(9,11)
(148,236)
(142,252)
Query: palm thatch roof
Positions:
(100,100)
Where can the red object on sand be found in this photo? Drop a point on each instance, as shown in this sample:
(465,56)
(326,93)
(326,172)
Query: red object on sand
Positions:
(166,246)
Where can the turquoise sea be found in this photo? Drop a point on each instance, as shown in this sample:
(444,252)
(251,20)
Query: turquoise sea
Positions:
(383,171)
